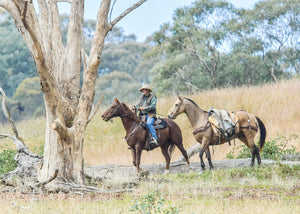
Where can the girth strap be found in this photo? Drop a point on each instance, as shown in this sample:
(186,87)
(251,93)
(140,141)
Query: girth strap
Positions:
(201,129)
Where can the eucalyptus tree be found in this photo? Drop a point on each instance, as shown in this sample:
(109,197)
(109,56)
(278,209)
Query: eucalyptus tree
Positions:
(117,84)
(275,26)
(191,48)
(123,57)
(68,98)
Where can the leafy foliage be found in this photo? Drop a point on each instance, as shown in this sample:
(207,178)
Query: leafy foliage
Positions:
(273,149)
(212,44)
(152,203)
(117,84)
(209,44)
(15,59)
(7,162)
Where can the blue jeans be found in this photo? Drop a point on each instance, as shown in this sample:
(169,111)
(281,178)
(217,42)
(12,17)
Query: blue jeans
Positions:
(150,122)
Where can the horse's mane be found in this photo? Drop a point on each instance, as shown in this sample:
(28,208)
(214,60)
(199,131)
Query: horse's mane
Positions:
(193,102)
(128,109)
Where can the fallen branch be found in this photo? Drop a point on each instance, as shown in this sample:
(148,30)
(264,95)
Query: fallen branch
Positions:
(49,180)
(190,152)
(7,114)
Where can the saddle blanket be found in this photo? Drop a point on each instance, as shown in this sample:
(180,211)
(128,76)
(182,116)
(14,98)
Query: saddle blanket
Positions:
(160,124)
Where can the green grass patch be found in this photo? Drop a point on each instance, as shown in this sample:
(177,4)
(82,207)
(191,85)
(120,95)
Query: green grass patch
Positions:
(7,162)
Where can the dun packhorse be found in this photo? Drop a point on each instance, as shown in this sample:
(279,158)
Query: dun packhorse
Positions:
(246,129)
(136,134)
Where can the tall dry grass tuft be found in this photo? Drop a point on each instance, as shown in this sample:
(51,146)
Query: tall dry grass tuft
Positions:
(277,105)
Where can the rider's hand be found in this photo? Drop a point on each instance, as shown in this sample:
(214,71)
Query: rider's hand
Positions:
(142,108)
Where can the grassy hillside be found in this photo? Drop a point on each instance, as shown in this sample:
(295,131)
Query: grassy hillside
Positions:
(276,104)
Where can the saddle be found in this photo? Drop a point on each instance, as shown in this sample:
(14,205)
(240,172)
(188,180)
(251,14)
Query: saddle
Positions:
(158,124)
(224,123)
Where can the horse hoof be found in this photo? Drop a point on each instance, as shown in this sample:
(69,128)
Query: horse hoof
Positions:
(166,172)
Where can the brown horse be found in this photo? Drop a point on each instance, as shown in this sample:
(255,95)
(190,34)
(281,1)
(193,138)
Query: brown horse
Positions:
(246,129)
(136,135)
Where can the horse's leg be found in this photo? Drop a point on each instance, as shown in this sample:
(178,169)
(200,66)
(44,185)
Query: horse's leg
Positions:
(208,156)
(138,154)
(133,153)
(249,142)
(164,151)
(204,147)
(183,152)
(257,155)
(201,159)
(255,152)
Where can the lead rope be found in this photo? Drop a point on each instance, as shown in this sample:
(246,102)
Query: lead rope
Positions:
(162,115)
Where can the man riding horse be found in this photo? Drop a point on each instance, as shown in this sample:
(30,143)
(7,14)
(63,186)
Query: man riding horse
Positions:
(147,108)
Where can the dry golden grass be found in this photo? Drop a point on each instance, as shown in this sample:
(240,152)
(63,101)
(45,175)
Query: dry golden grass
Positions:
(277,105)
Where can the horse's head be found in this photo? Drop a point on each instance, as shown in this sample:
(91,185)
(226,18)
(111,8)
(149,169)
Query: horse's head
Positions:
(112,111)
(177,108)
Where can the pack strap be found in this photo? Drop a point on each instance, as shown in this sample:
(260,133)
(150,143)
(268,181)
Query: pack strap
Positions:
(201,129)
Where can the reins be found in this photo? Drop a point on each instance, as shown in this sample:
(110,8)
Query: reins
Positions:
(115,115)
(133,131)
(162,115)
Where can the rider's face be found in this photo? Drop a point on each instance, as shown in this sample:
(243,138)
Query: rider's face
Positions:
(145,92)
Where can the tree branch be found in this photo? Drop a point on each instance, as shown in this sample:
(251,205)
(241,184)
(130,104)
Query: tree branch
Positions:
(62,130)
(127,11)
(68,1)
(7,114)
(19,144)
(49,180)
(95,108)
(75,33)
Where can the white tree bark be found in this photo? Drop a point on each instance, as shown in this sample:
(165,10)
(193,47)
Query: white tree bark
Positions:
(68,105)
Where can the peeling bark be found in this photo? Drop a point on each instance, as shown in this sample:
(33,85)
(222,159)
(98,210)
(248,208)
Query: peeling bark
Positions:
(69,106)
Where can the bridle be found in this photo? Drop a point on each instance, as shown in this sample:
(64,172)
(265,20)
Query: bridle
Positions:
(116,113)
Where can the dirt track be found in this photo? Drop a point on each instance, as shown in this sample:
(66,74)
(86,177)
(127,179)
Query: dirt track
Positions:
(110,171)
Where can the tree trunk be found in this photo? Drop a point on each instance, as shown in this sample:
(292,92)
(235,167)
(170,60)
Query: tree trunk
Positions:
(69,105)
(66,156)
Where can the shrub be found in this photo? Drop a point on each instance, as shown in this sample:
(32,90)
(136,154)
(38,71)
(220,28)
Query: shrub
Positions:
(152,203)
(7,162)
(273,149)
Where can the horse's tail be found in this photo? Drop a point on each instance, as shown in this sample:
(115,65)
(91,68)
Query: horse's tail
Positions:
(171,149)
(263,133)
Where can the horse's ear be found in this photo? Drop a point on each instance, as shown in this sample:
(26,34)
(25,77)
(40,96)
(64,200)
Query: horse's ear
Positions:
(179,97)
(116,100)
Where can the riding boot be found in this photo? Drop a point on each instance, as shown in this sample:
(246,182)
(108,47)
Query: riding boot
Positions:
(153,144)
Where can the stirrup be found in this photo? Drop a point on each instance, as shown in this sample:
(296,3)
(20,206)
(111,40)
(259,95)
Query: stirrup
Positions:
(154,141)
(153,144)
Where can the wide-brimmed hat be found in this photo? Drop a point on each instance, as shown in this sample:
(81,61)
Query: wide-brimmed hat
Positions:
(147,87)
